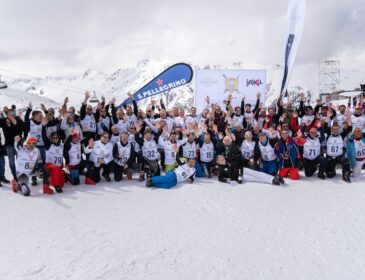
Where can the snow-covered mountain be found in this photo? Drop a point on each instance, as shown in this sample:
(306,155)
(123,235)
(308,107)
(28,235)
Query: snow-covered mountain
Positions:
(118,83)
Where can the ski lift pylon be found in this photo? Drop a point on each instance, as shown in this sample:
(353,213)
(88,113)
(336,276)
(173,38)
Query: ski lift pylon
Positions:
(2,84)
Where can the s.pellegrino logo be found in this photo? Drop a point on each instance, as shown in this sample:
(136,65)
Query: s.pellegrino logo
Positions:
(177,75)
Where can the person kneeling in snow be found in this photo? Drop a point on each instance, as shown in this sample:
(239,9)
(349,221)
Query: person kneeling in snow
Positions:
(184,172)
(72,153)
(54,162)
(27,161)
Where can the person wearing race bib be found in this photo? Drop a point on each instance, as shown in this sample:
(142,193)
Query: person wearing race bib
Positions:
(169,150)
(105,120)
(27,161)
(34,129)
(312,154)
(356,151)
(358,118)
(335,150)
(184,172)
(190,150)
(287,151)
(69,124)
(206,153)
(131,115)
(115,135)
(120,120)
(123,153)
(150,153)
(101,154)
(247,151)
(54,161)
(137,159)
(72,152)
(230,151)
(89,119)
(265,153)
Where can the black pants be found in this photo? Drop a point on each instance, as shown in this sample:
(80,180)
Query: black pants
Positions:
(119,170)
(162,159)
(151,166)
(310,166)
(76,170)
(248,164)
(333,161)
(230,171)
(107,168)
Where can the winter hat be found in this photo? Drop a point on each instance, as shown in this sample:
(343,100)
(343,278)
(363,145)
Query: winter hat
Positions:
(75,134)
(31,140)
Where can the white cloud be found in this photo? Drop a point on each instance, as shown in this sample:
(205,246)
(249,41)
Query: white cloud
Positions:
(59,37)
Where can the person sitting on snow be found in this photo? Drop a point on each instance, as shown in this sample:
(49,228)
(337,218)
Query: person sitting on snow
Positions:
(27,163)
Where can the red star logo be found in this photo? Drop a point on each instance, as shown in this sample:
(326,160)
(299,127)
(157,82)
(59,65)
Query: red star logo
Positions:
(159,82)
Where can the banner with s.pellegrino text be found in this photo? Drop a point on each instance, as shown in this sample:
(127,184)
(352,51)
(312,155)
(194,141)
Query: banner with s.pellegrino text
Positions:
(177,75)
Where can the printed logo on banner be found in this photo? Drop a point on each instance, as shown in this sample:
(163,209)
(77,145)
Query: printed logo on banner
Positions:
(254,82)
(231,84)
(177,75)
(208,82)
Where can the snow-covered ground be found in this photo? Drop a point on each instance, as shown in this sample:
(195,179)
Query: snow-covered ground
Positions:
(310,229)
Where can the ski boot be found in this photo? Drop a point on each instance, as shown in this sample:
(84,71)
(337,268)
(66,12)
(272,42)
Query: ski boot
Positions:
(141,177)
(107,178)
(149,182)
(89,181)
(46,189)
(346,177)
(24,189)
(275,181)
(321,176)
(14,185)
(34,180)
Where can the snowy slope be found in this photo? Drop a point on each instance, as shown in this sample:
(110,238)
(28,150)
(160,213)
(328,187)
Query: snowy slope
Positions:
(207,230)
(117,84)
(21,99)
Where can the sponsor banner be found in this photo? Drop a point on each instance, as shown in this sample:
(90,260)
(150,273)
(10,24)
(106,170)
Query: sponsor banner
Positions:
(294,29)
(218,84)
(175,76)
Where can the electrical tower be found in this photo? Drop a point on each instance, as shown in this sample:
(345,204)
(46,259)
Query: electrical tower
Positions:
(329,77)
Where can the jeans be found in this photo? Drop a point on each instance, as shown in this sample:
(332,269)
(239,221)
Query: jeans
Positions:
(10,150)
(165,182)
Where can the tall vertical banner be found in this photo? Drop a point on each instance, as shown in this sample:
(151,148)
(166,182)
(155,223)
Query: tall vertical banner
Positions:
(294,29)
(219,84)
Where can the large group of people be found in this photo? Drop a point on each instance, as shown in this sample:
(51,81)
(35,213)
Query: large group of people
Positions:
(165,147)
